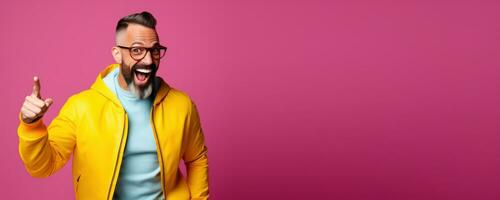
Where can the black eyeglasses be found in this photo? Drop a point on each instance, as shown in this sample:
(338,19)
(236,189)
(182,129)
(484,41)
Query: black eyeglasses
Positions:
(138,53)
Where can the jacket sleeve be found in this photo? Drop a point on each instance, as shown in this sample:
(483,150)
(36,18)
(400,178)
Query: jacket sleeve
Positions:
(195,157)
(45,150)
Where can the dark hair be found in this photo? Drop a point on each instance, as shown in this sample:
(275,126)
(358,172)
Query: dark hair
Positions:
(144,18)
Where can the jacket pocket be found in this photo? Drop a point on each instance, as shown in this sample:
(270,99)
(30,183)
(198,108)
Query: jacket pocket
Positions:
(77,183)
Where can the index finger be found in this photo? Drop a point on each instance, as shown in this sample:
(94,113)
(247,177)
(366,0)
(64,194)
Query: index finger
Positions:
(36,86)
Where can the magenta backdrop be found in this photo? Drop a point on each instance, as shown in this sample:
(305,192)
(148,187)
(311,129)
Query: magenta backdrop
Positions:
(299,100)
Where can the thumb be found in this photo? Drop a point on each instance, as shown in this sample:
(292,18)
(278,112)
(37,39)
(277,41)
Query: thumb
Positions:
(48,102)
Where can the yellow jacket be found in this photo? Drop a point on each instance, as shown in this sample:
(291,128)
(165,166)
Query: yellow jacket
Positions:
(93,126)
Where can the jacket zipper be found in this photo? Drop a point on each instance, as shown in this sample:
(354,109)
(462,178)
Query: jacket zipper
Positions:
(159,154)
(113,182)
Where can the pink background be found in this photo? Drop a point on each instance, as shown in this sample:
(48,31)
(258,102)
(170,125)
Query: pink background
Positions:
(299,100)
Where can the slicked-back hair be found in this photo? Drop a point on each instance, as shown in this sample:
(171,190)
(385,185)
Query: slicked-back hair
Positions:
(144,18)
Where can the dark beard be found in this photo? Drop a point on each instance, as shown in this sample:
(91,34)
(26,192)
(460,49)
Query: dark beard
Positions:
(129,73)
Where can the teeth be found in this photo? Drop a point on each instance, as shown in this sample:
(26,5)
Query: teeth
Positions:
(145,71)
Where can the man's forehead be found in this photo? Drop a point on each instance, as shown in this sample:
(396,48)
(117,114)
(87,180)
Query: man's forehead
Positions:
(138,34)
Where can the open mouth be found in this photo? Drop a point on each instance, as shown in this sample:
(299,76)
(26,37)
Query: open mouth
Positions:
(141,76)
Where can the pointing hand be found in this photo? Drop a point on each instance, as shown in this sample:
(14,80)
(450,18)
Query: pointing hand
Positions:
(34,106)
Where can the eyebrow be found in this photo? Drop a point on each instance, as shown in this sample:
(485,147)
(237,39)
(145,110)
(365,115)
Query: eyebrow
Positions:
(156,43)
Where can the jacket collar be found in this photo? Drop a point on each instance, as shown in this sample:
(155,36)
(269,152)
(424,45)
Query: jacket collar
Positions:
(161,87)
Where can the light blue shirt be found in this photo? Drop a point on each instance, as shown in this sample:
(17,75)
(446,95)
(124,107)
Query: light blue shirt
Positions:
(140,172)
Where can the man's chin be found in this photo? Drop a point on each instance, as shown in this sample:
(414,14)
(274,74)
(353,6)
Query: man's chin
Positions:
(141,85)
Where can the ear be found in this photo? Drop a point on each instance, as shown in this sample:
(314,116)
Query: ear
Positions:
(117,55)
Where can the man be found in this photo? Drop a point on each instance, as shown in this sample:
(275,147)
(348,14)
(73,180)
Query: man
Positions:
(127,133)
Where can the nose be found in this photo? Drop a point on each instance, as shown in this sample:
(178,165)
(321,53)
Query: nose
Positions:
(148,59)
